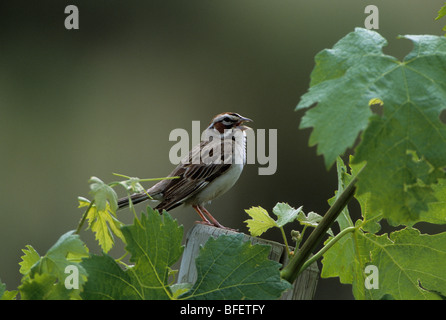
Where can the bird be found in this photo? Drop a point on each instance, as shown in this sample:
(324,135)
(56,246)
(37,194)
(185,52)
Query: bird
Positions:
(211,168)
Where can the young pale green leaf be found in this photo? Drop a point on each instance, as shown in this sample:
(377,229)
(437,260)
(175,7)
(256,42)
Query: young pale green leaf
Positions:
(5,294)
(103,194)
(441,14)
(29,258)
(405,147)
(260,222)
(285,213)
(230,268)
(312,219)
(132,185)
(103,223)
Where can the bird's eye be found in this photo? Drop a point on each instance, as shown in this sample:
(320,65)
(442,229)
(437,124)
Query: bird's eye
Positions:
(226,119)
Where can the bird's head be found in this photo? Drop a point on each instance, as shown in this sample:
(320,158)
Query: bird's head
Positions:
(228,121)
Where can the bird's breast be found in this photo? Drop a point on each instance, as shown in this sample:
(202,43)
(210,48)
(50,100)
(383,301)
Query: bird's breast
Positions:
(219,186)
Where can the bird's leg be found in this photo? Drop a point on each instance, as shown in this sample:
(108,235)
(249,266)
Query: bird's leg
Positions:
(205,220)
(213,220)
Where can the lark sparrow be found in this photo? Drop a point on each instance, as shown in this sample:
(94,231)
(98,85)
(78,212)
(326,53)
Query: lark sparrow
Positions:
(211,168)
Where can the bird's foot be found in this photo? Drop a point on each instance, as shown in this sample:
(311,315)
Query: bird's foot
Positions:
(207,223)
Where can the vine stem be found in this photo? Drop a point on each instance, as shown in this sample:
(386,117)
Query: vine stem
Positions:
(326,247)
(84,216)
(285,241)
(295,266)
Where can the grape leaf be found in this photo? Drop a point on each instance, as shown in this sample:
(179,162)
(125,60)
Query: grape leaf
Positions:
(103,194)
(285,213)
(260,222)
(405,147)
(44,287)
(44,276)
(441,14)
(103,223)
(107,280)
(29,258)
(230,268)
(154,242)
(410,264)
(5,294)
(339,85)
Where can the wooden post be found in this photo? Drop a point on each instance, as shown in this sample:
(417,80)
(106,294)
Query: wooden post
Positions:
(303,288)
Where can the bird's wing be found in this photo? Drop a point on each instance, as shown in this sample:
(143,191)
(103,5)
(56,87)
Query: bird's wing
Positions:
(204,163)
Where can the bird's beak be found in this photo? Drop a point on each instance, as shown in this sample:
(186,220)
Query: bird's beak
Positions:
(243,119)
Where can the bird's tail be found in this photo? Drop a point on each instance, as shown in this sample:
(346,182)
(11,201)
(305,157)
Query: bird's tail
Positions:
(135,198)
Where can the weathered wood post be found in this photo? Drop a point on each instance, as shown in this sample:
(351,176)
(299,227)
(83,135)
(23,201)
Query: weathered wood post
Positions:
(303,288)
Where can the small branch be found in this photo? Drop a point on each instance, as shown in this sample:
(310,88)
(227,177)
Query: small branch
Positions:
(285,241)
(84,216)
(326,247)
(292,270)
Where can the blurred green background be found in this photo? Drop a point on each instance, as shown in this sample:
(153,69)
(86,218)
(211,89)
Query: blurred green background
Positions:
(104,99)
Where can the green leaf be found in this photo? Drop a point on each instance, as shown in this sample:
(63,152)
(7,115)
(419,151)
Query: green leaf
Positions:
(260,222)
(155,244)
(68,250)
(340,87)
(179,288)
(230,268)
(405,147)
(311,220)
(44,287)
(103,194)
(107,280)
(437,209)
(286,213)
(103,223)
(30,258)
(410,264)
(5,294)
(101,216)
(44,276)
(132,184)
(441,12)
(399,257)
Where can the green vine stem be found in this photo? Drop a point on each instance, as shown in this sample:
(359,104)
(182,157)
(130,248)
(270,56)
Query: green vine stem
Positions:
(326,247)
(285,241)
(295,266)
(84,216)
